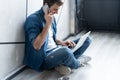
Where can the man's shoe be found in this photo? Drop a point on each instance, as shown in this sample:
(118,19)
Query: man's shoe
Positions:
(63,70)
(84,59)
(64,78)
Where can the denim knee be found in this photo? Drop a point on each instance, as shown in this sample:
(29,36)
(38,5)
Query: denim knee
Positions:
(66,51)
(70,60)
(88,41)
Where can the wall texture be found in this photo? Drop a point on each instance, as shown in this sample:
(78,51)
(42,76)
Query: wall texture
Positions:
(12,16)
(63,20)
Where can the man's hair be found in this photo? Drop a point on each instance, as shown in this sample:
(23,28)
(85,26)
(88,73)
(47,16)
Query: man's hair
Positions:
(51,2)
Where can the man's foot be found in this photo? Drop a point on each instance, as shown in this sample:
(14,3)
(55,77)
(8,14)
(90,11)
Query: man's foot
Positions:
(64,78)
(84,59)
(63,70)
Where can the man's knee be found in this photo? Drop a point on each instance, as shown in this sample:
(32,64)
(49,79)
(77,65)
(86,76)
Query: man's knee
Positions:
(66,51)
(88,41)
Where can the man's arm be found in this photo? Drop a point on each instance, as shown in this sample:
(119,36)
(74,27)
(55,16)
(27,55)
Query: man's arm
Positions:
(40,39)
(59,42)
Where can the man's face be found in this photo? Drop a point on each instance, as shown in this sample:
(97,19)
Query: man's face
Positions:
(54,9)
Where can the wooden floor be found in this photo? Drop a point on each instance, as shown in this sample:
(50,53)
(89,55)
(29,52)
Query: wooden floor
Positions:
(105,64)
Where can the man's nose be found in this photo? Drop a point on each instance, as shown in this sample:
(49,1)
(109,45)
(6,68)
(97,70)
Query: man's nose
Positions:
(56,12)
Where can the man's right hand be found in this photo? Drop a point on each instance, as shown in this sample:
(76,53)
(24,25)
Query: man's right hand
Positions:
(48,17)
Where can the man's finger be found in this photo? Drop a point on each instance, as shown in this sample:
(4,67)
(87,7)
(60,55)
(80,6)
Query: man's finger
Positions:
(73,44)
(50,13)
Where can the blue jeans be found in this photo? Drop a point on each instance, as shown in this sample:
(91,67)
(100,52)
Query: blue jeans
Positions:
(64,56)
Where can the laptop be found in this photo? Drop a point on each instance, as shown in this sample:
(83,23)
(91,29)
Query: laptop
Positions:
(81,41)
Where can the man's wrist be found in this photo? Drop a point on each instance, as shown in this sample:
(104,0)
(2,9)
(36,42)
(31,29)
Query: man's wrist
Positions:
(59,42)
(48,24)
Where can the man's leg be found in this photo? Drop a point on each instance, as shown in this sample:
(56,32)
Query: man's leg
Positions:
(82,49)
(60,56)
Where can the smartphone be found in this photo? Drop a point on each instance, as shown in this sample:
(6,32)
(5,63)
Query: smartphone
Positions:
(46,9)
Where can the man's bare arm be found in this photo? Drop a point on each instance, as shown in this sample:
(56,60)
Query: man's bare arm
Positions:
(59,42)
(40,39)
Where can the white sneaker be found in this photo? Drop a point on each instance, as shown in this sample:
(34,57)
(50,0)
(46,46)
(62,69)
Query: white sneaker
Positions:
(84,59)
(64,78)
(63,70)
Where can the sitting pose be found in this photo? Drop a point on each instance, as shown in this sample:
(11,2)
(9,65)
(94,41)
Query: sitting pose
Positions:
(41,46)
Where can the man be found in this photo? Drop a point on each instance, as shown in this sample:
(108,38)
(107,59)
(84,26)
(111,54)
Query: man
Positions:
(41,46)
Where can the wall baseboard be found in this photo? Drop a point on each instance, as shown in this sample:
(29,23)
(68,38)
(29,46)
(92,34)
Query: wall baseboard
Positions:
(14,73)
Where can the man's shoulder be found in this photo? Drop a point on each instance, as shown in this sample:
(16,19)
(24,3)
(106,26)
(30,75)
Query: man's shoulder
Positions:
(36,15)
(35,19)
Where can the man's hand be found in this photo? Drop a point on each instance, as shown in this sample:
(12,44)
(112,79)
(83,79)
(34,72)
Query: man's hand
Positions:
(69,43)
(66,43)
(48,17)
